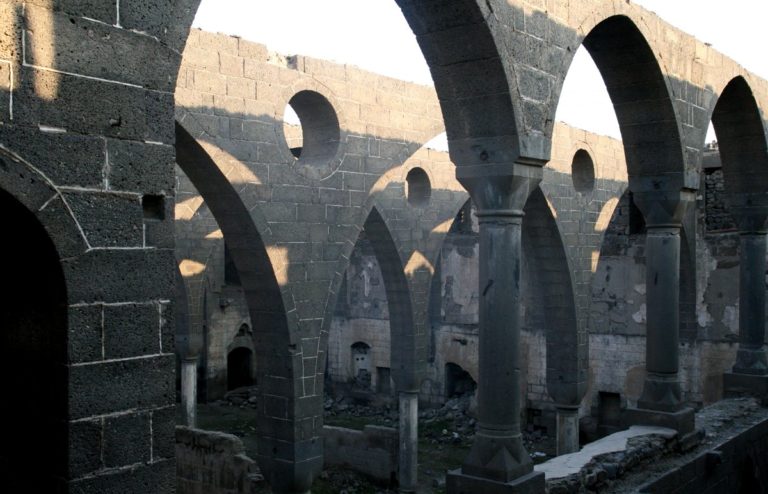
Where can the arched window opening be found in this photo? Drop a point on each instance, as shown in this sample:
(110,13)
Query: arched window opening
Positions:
(311,128)
(418,187)
(583,172)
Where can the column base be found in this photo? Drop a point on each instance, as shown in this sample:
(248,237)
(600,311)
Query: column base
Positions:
(683,421)
(661,392)
(460,483)
(752,361)
(736,384)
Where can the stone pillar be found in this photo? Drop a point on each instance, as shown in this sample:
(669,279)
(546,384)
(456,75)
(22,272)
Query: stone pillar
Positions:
(750,372)
(661,402)
(189,390)
(408,429)
(567,430)
(751,358)
(498,461)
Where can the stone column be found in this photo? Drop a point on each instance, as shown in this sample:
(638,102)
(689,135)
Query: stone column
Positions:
(189,390)
(750,372)
(661,402)
(498,461)
(751,358)
(567,430)
(408,429)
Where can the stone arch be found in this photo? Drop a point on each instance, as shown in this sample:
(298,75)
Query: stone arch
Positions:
(34,345)
(403,351)
(567,350)
(34,317)
(641,99)
(741,139)
(277,369)
(471,82)
(247,248)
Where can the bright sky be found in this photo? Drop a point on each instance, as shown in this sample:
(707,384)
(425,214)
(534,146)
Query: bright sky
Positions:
(373,35)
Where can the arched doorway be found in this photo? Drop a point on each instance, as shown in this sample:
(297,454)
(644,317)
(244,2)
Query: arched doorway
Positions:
(458,381)
(33,340)
(239,368)
(361,365)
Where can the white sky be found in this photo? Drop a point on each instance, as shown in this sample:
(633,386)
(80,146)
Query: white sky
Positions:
(373,35)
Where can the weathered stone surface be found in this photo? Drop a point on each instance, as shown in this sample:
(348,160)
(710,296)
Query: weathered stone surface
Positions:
(498,96)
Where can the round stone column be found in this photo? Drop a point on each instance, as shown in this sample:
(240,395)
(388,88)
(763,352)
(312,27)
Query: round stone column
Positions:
(408,428)
(749,375)
(662,256)
(661,402)
(751,357)
(498,461)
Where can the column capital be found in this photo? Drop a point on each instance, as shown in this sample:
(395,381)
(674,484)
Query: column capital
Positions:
(500,190)
(663,208)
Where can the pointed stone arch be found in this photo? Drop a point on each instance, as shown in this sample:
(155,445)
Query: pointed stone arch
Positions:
(277,370)
(458,43)
(567,349)
(403,348)
(741,139)
(36,319)
(642,100)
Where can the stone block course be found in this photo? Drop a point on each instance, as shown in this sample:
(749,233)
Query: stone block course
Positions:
(131,330)
(114,386)
(85,333)
(117,452)
(108,220)
(53,42)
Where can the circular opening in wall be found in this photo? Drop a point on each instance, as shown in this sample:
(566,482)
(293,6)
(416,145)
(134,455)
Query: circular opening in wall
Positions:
(583,172)
(417,187)
(311,128)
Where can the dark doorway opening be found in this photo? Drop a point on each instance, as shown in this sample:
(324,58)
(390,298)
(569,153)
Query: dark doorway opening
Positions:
(458,381)
(33,342)
(383,380)
(239,368)
(608,413)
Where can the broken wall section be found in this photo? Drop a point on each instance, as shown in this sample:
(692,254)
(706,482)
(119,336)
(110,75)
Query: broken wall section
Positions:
(213,463)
